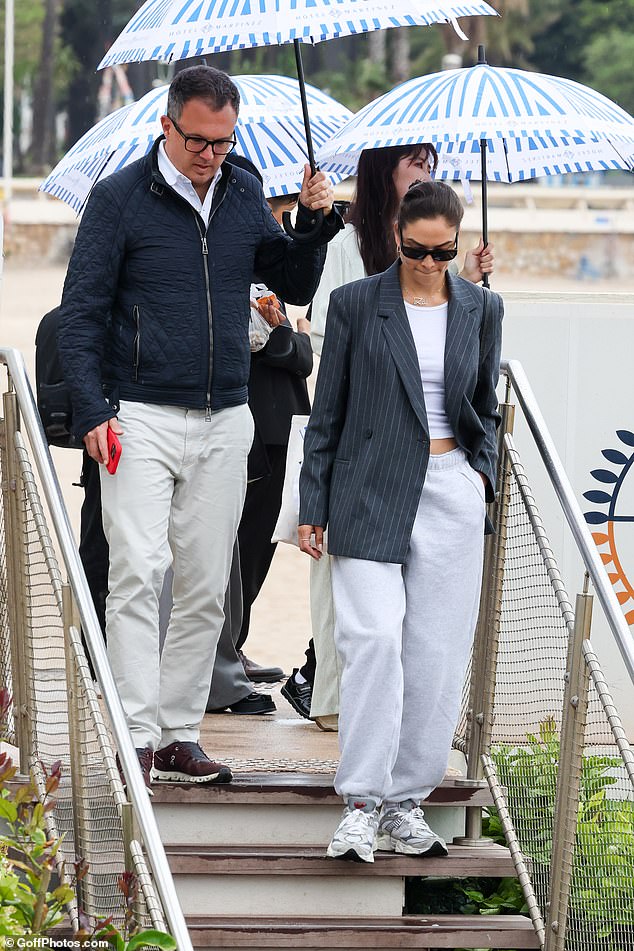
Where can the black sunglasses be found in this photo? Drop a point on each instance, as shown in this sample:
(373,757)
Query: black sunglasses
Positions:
(196,144)
(419,254)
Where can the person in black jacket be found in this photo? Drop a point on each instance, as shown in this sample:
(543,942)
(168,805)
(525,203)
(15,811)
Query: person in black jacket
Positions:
(277,391)
(154,343)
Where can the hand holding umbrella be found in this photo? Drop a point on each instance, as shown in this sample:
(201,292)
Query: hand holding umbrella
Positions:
(317,193)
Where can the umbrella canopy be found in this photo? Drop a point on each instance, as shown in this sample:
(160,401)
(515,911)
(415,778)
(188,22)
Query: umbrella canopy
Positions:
(178,29)
(269,132)
(491,123)
(533,125)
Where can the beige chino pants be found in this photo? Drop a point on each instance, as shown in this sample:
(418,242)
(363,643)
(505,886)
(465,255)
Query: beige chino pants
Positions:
(176,497)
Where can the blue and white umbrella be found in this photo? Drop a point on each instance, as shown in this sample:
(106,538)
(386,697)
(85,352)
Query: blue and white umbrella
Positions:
(533,123)
(269,132)
(486,122)
(179,29)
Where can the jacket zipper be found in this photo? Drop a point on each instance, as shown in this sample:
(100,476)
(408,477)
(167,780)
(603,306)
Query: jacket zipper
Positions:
(136,346)
(205,254)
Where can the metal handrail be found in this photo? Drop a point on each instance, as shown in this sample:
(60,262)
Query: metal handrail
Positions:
(572,511)
(137,791)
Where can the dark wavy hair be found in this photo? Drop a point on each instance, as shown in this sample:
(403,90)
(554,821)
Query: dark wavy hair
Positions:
(430,200)
(202,82)
(375,204)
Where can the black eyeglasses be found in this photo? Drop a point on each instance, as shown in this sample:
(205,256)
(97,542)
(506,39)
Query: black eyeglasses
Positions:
(195,143)
(437,254)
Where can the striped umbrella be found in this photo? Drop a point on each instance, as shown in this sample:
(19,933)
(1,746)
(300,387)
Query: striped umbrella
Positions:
(179,29)
(486,122)
(269,132)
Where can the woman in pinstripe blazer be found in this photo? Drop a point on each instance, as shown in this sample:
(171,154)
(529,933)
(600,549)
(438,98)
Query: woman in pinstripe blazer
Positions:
(399,459)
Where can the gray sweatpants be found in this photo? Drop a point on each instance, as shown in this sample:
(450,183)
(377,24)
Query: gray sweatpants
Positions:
(403,634)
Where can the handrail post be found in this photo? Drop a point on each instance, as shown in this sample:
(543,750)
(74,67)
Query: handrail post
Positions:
(485,645)
(74,737)
(17,591)
(577,679)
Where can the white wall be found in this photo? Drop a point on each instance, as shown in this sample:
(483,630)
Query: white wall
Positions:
(577,351)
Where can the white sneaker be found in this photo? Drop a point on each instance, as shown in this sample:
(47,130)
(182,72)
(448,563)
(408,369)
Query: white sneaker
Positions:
(355,838)
(402,828)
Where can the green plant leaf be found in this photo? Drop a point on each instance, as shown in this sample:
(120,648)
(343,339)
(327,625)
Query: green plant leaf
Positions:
(8,810)
(150,938)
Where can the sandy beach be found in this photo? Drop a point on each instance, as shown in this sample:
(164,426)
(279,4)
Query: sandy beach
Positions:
(280,619)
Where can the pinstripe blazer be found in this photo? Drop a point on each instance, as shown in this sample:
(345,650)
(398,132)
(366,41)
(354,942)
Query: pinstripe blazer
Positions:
(367,443)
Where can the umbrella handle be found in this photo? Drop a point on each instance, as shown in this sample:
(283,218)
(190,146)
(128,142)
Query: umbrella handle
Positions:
(303,237)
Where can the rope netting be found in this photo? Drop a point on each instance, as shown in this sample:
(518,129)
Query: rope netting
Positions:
(536,622)
(66,722)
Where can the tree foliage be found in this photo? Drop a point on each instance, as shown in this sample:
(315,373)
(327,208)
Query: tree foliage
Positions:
(29,18)
(586,40)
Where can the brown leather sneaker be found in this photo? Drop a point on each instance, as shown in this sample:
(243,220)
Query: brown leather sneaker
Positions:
(146,758)
(188,763)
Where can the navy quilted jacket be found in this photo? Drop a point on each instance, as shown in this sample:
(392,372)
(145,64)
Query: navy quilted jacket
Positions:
(155,307)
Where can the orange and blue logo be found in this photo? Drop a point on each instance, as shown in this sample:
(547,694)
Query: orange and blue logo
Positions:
(613,519)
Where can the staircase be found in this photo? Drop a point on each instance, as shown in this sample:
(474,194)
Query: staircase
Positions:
(249,863)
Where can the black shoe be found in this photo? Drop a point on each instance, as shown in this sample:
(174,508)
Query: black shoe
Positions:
(258,674)
(146,760)
(252,703)
(298,695)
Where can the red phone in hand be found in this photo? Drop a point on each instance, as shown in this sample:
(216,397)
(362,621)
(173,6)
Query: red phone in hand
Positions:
(114,451)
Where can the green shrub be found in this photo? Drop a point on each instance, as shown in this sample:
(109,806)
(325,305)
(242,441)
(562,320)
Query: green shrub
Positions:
(28,858)
(602,886)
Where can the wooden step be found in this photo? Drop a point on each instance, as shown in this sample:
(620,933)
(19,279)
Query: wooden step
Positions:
(253,880)
(490,861)
(268,808)
(256,788)
(366,934)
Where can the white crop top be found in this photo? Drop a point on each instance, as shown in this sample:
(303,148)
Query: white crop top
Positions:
(429,329)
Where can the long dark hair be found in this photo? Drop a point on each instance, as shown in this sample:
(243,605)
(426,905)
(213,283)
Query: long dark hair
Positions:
(373,210)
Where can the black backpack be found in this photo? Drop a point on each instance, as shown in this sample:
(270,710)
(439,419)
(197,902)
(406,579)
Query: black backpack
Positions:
(53,396)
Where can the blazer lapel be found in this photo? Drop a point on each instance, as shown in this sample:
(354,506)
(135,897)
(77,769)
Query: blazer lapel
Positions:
(399,338)
(463,333)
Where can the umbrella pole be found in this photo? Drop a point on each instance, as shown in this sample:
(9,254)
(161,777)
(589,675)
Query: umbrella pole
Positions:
(302,92)
(318,217)
(485,222)
(483,170)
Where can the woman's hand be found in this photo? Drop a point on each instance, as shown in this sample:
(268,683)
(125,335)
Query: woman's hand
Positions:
(304,536)
(478,262)
(269,308)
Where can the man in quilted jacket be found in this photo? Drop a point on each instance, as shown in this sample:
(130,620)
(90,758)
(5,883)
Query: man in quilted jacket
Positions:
(155,347)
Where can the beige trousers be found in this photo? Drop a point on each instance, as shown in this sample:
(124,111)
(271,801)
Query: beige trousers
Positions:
(177,498)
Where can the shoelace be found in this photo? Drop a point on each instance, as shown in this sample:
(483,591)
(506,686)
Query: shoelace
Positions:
(397,818)
(360,815)
(195,752)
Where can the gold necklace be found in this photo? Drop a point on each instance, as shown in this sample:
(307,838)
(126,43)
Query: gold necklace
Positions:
(418,301)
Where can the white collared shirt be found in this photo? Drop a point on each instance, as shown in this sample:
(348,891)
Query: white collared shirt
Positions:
(181,184)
